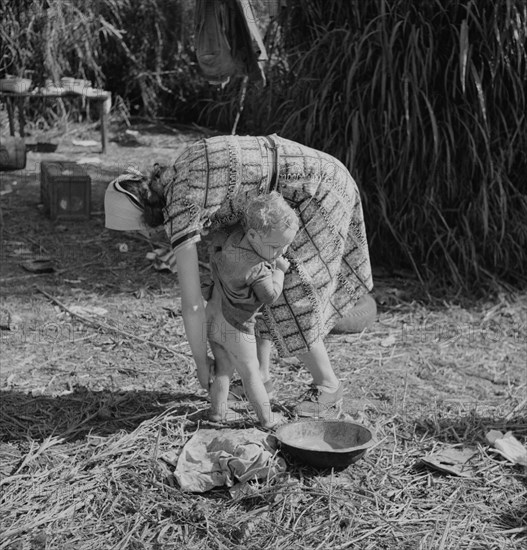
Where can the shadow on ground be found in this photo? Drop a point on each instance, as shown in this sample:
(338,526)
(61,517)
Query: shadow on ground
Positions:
(26,417)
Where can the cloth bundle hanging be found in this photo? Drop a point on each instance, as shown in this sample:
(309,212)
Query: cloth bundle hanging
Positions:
(228,42)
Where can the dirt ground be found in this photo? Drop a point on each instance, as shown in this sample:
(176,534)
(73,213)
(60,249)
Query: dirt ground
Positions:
(97,347)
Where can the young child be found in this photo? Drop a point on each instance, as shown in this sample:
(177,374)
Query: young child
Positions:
(248,270)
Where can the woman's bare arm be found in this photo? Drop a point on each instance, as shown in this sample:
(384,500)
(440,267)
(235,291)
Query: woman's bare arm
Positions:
(193,309)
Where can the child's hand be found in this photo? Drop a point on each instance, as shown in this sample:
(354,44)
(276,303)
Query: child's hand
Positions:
(282,263)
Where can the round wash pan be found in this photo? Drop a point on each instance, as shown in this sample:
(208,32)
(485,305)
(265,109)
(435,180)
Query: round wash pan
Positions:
(325,443)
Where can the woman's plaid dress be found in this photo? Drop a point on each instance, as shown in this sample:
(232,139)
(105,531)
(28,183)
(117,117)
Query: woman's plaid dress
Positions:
(330,268)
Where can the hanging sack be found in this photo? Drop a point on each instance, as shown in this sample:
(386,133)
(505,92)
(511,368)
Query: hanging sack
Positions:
(213,50)
(228,41)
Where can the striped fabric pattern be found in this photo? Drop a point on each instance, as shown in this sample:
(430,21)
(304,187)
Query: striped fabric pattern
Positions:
(330,268)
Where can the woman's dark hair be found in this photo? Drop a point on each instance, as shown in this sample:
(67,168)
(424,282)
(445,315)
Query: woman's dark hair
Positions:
(149,192)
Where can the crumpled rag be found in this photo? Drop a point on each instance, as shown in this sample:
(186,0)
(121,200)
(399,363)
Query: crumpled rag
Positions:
(215,458)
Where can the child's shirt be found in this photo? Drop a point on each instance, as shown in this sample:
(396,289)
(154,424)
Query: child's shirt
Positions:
(245,280)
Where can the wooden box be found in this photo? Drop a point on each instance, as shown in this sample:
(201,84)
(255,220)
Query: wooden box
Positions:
(65,190)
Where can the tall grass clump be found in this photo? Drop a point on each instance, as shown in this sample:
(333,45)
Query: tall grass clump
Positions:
(425,102)
(151,62)
(48,39)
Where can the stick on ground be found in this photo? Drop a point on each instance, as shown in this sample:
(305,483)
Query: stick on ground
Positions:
(106,327)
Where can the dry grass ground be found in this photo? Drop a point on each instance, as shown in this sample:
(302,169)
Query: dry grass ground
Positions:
(90,404)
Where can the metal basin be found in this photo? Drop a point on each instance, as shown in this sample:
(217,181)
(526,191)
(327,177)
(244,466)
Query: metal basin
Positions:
(325,443)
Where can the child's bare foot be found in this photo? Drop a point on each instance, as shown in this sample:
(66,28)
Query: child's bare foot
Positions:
(225,415)
(275,420)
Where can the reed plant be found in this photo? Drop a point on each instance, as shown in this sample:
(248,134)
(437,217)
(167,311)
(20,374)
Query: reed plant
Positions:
(425,102)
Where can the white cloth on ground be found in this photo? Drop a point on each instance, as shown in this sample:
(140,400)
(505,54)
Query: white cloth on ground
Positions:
(215,458)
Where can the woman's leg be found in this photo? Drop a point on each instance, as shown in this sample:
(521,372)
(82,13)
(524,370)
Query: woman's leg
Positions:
(318,364)
(325,397)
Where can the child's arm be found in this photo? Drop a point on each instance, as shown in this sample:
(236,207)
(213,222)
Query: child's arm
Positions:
(267,282)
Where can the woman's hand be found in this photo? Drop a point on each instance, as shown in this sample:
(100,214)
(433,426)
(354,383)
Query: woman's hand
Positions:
(282,263)
(207,373)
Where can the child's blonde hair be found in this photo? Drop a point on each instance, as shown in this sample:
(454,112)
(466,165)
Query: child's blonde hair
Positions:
(266,212)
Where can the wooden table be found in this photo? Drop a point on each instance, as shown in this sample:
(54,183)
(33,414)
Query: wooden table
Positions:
(15,101)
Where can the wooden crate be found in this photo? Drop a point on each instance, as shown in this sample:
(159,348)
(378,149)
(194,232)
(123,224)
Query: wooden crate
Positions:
(65,190)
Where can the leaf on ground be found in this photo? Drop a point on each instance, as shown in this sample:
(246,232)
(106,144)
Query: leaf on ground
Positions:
(452,461)
(508,446)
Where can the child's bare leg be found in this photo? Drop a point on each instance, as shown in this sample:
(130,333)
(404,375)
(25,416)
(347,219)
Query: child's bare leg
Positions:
(248,369)
(219,390)
(263,349)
